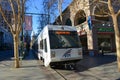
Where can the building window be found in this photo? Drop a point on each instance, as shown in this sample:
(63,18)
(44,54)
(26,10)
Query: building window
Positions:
(80,17)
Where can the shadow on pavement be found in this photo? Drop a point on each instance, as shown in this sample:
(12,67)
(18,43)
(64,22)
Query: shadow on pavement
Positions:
(118,79)
(6,55)
(95,61)
(9,55)
(30,55)
(91,62)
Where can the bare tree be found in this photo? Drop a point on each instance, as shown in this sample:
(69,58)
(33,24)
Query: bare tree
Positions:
(15,26)
(50,7)
(53,6)
(113,10)
(43,21)
(60,9)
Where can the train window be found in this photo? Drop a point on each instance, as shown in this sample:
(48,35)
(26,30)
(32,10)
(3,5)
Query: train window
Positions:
(45,43)
(41,44)
(64,39)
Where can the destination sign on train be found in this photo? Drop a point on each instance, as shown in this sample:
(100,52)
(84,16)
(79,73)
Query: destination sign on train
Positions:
(62,32)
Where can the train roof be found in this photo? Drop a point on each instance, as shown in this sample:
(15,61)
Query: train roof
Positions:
(61,27)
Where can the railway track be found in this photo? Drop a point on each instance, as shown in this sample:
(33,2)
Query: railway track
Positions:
(82,73)
(52,74)
(59,73)
(76,75)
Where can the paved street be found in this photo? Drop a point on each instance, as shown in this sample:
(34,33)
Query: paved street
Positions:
(100,67)
(90,68)
(29,70)
(94,68)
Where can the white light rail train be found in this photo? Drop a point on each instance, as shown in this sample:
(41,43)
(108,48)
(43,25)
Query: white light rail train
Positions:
(58,44)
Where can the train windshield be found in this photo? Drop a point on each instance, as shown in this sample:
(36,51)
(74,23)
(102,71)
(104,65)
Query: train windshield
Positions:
(64,39)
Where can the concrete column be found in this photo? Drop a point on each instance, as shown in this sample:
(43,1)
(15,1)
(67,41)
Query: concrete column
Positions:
(113,46)
(95,40)
(92,41)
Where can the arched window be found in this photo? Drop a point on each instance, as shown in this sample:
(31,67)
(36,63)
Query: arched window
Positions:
(80,17)
(101,11)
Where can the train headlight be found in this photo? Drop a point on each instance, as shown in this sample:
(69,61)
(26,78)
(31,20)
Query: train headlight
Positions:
(52,54)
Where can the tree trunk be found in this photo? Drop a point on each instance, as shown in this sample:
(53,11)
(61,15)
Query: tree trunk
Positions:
(117,39)
(16,56)
(118,50)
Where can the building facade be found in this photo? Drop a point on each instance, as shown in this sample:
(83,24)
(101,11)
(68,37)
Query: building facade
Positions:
(6,40)
(96,33)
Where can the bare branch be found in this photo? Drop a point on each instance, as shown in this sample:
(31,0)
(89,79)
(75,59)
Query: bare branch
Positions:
(19,29)
(101,11)
(60,9)
(18,16)
(110,7)
(98,1)
(13,10)
(118,13)
(14,15)
(24,1)
(4,17)
(104,2)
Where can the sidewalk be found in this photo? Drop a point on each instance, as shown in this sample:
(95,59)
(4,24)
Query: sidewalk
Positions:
(90,68)
(101,67)
(29,70)
(97,60)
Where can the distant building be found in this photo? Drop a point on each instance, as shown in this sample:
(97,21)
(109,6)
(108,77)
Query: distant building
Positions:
(93,31)
(6,41)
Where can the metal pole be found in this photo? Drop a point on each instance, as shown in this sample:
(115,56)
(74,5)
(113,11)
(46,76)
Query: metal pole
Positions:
(22,11)
(36,14)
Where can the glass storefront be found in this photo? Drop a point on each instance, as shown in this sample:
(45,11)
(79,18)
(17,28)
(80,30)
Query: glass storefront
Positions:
(104,43)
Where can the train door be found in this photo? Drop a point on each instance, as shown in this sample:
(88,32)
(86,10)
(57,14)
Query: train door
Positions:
(46,52)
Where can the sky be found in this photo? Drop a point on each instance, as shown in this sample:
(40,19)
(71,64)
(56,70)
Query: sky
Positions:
(35,6)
